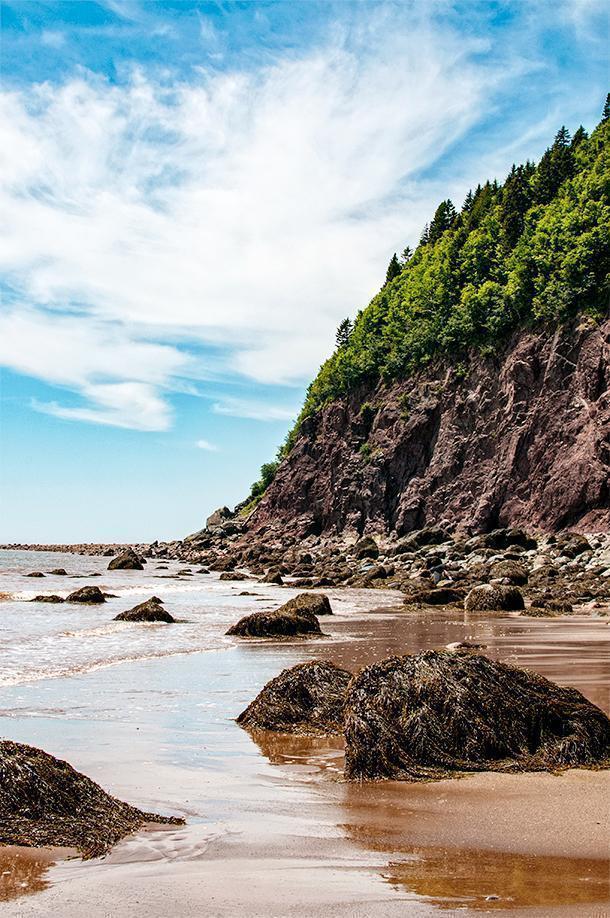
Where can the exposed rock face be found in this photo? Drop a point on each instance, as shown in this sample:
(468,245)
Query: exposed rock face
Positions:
(522,440)
(428,715)
(150,611)
(90,594)
(126,561)
(44,801)
(492,597)
(308,699)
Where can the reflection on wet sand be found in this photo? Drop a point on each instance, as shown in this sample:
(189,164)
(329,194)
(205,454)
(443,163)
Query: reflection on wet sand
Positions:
(459,878)
(23,871)
(324,753)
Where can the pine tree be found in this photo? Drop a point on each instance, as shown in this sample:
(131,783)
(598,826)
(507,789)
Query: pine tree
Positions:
(394,269)
(516,199)
(425,236)
(407,255)
(468,202)
(606,112)
(444,216)
(579,136)
(344,332)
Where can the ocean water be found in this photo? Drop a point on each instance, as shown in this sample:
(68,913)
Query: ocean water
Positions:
(41,640)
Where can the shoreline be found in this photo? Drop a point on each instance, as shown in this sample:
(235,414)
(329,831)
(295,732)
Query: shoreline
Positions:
(263,820)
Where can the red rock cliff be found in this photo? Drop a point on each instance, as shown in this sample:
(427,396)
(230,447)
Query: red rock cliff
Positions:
(521,437)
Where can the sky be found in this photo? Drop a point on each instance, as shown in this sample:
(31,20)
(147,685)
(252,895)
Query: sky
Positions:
(194,195)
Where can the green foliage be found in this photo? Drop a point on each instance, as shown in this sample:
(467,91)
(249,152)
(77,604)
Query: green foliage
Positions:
(366,452)
(536,248)
(394,269)
(268,470)
(343,333)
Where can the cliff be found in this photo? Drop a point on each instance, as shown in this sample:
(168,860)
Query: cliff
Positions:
(519,438)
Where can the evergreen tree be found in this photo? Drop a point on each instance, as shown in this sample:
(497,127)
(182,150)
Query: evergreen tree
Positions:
(425,236)
(407,255)
(443,218)
(579,136)
(394,269)
(344,332)
(516,200)
(468,202)
(606,112)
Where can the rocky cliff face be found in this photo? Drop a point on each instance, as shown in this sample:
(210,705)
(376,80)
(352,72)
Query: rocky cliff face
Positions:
(518,438)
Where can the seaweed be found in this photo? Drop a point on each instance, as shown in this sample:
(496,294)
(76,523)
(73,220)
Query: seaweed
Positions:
(44,801)
(435,714)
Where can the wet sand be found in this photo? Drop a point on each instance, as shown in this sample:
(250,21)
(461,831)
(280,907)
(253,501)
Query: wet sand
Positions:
(273,829)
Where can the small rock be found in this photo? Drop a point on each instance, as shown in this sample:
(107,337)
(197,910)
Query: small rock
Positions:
(494,598)
(127,561)
(90,594)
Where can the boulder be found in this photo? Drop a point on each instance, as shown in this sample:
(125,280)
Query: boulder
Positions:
(45,802)
(126,561)
(279,623)
(436,713)
(232,575)
(543,608)
(218,517)
(366,548)
(442,596)
(492,597)
(35,574)
(90,594)
(311,603)
(47,598)
(150,611)
(59,572)
(308,699)
(273,577)
(512,571)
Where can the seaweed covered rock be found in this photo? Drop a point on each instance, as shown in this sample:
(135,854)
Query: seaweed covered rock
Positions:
(126,561)
(512,571)
(280,622)
(59,572)
(435,713)
(442,596)
(314,603)
(492,597)
(89,594)
(47,597)
(150,611)
(308,699)
(232,575)
(366,548)
(44,801)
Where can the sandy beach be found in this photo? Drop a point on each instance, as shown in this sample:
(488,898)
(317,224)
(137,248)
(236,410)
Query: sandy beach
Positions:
(271,826)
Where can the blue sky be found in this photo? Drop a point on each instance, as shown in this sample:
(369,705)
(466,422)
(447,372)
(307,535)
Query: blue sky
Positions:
(195,194)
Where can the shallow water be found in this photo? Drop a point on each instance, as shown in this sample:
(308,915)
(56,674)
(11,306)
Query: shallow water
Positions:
(273,812)
(41,640)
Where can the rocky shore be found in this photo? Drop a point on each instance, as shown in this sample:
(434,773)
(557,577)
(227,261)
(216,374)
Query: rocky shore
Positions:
(430,566)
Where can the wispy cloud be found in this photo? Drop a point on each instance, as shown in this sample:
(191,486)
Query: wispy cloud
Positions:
(250,211)
(254,410)
(129,404)
(206,445)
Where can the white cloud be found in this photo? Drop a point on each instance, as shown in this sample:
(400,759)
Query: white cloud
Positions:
(251,211)
(254,410)
(130,404)
(205,444)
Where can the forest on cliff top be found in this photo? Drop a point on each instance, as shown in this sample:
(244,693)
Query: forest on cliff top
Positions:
(532,250)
